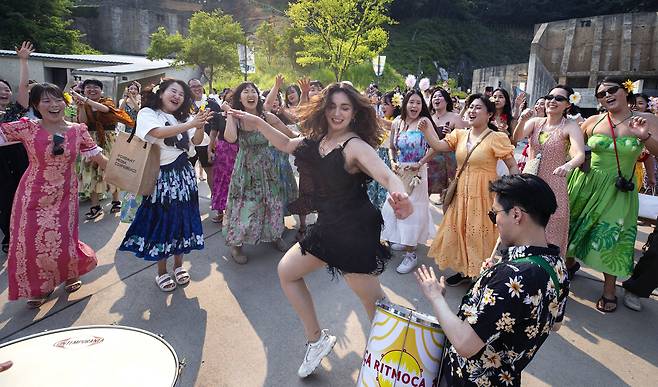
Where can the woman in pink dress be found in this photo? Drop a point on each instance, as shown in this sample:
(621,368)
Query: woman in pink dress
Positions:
(558,141)
(44,250)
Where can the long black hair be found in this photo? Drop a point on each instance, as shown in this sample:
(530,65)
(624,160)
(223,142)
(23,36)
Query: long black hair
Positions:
(491,107)
(236,103)
(507,109)
(153,100)
(446,97)
(388,98)
(424,111)
(295,88)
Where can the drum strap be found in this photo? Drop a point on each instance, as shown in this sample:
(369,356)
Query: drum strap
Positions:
(541,262)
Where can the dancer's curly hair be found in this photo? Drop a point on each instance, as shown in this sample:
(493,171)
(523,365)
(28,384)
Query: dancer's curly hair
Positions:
(314,123)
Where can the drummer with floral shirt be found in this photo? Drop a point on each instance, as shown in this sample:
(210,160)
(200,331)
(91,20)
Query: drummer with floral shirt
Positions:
(509,311)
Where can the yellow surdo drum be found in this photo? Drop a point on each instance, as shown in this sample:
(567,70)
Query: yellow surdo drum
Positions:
(405,348)
(98,356)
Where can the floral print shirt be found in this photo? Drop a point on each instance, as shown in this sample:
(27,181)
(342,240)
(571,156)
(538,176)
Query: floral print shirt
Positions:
(512,308)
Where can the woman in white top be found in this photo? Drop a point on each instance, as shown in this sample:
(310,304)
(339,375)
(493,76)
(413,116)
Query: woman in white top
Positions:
(168,221)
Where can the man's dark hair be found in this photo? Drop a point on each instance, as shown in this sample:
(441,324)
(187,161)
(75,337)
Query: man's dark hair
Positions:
(92,82)
(529,192)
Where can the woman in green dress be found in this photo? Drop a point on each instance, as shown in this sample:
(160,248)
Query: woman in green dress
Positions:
(603,203)
(255,206)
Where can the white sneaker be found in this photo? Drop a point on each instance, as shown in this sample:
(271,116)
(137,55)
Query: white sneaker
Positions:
(409,263)
(315,352)
(397,247)
(632,301)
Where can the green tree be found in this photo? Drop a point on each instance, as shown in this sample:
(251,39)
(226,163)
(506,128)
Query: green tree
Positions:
(210,44)
(268,40)
(45,23)
(340,33)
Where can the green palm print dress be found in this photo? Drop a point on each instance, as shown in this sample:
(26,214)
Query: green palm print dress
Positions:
(603,219)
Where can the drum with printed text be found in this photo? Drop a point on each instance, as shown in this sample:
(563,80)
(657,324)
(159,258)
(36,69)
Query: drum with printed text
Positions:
(99,356)
(405,348)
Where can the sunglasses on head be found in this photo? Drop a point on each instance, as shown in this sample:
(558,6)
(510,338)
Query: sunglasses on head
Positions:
(610,90)
(58,149)
(558,98)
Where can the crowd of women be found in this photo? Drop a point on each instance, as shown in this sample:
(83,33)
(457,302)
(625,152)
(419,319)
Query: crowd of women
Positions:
(367,165)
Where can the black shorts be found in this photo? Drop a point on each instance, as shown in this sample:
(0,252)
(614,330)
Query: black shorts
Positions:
(202,156)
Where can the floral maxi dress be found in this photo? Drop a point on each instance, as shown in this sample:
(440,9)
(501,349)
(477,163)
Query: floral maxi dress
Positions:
(254,210)
(44,250)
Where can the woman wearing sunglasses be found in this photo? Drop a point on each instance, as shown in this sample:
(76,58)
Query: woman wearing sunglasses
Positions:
(558,143)
(604,202)
(44,250)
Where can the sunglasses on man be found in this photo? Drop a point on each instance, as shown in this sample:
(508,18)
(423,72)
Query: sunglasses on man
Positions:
(493,213)
(610,90)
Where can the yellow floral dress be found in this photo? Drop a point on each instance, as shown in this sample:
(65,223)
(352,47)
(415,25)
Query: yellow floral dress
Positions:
(466,236)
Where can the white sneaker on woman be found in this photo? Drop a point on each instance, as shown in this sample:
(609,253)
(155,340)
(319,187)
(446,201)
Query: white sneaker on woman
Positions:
(409,262)
(632,301)
(315,352)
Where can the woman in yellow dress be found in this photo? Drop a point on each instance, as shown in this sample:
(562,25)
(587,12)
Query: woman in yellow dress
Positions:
(466,236)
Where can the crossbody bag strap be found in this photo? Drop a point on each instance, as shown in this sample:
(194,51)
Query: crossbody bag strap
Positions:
(468,155)
(541,262)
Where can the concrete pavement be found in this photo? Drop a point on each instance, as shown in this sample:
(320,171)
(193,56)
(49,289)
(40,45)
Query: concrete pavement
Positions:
(234,327)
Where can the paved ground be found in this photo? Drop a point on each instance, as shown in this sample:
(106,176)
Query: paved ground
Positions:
(234,327)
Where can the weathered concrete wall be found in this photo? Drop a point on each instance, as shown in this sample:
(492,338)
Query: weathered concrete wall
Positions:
(505,76)
(125,27)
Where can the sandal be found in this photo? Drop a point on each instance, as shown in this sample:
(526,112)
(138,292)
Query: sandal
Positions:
(603,302)
(73,287)
(238,256)
(571,271)
(182,276)
(94,212)
(35,303)
(165,283)
(116,207)
(217,219)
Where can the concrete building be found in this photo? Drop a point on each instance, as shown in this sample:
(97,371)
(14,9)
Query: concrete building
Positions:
(115,71)
(581,52)
(125,26)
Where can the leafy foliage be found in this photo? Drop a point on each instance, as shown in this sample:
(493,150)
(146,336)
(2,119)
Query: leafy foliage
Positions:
(456,45)
(339,33)
(43,22)
(268,40)
(210,44)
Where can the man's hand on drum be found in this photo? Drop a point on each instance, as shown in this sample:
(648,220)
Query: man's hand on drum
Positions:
(429,285)
(6,365)
(401,204)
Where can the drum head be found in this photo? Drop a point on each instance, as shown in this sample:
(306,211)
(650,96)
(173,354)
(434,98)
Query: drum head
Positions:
(101,355)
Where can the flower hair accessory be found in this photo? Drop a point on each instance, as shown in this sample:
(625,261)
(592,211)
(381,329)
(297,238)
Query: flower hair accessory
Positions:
(575,98)
(492,99)
(155,89)
(410,81)
(396,100)
(628,85)
(424,84)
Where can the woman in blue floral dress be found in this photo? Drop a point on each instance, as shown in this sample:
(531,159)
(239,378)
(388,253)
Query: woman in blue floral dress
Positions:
(168,221)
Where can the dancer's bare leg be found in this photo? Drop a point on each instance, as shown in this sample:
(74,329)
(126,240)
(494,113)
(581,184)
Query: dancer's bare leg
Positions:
(292,269)
(368,288)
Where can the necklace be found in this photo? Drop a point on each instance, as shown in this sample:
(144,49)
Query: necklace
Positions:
(614,126)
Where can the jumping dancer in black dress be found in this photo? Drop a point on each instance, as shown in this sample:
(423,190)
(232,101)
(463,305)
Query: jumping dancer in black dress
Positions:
(338,153)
